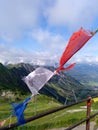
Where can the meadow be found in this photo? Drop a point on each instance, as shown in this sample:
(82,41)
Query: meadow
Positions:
(42,103)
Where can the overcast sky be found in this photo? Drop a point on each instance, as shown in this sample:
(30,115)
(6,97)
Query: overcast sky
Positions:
(37,31)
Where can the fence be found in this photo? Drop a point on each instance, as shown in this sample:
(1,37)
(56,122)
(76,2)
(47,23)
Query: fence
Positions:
(87,119)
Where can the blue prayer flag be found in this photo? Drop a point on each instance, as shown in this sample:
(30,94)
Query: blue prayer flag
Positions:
(19,109)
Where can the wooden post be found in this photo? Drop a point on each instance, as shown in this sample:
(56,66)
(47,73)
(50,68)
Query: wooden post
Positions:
(89,102)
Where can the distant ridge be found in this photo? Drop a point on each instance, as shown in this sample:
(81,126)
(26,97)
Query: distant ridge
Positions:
(61,86)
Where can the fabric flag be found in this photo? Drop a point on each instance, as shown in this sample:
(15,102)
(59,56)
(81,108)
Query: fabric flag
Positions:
(95,99)
(37,79)
(76,42)
(19,109)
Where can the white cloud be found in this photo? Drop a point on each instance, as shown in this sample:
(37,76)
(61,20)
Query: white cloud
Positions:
(12,55)
(53,42)
(72,13)
(20,16)
(84,58)
(16,16)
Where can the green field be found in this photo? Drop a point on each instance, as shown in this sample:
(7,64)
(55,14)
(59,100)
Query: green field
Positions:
(41,103)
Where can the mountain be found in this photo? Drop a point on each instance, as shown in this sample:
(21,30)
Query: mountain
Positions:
(86,74)
(62,87)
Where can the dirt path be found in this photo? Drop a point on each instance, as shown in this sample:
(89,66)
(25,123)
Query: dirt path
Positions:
(80,127)
(83,127)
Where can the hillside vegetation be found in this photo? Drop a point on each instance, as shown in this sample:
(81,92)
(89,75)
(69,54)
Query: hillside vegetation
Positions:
(86,73)
(62,87)
(42,103)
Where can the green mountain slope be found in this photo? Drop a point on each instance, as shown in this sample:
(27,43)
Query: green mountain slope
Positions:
(87,74)
(62,87)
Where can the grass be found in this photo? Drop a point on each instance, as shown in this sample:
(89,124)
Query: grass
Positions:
(41,104)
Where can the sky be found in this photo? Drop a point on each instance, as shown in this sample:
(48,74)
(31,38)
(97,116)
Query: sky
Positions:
(37,31)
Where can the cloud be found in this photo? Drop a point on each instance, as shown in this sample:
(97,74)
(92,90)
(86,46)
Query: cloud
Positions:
(72,13)
(19,16)
(12,55)
(85,59)
(52,41)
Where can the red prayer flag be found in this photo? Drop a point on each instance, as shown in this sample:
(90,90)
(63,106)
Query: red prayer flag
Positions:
(76,42)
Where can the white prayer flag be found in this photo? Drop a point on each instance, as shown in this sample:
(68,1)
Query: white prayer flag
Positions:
(37,79)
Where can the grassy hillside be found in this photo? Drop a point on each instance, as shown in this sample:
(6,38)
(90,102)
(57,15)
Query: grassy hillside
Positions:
(11,78)
(86,74)
(7,79)
(42,103)
(62,87)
